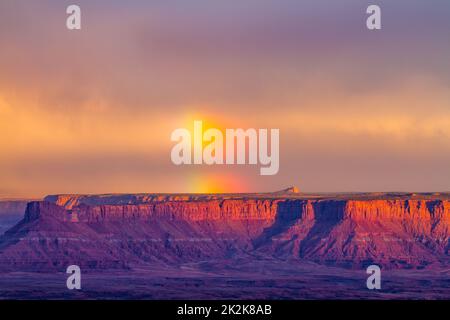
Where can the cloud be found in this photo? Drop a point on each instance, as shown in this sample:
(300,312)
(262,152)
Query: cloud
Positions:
(114,91)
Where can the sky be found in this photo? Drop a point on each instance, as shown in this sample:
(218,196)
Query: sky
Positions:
(92,111)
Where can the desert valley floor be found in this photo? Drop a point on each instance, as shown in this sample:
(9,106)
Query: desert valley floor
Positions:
(252,280)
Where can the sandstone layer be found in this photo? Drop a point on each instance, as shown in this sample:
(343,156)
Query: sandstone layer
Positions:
(126,231)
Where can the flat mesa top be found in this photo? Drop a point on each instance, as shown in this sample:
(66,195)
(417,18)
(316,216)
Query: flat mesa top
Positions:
(269,195)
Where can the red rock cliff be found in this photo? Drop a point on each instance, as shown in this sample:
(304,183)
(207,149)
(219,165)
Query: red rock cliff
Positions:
(347,232)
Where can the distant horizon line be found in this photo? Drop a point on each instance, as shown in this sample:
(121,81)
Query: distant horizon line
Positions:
(230,193)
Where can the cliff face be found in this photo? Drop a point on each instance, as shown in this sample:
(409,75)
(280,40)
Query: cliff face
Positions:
(392,233)
(181,210)
(97,232)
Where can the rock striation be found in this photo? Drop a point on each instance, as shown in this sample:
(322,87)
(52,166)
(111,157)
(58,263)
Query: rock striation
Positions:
(126,231)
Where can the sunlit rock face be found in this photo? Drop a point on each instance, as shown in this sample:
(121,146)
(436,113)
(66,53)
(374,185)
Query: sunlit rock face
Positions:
(125,231)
